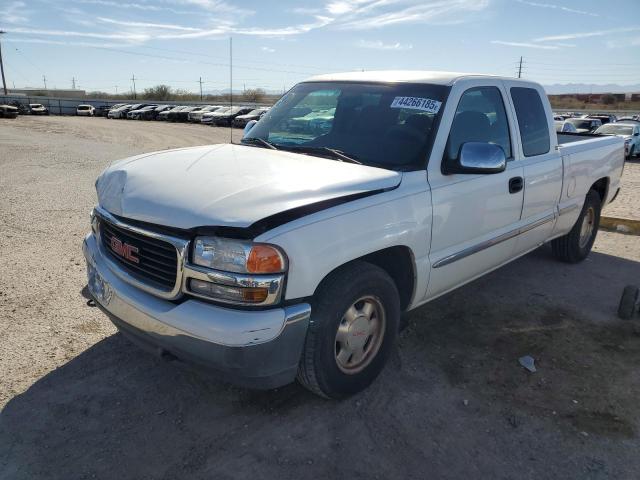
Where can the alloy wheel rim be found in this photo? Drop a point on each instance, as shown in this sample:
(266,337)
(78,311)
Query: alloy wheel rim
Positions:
(360,334)
(586,229)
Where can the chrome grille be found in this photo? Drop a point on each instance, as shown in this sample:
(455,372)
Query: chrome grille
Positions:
(157,263)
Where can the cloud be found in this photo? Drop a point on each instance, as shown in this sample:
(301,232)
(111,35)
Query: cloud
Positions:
(369,14)
(595,33)
(526,45)
(14,12)
(68,33)
(66,43)
(216,6)
(378,45)
(557,7)
(268,49)
(162,26)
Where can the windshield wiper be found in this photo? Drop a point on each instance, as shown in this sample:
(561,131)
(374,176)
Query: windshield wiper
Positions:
(343,157)
(259,141)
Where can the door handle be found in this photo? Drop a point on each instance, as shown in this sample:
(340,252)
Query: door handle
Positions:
(516,184)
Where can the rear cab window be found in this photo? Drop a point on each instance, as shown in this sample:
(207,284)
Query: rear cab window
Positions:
(532,121)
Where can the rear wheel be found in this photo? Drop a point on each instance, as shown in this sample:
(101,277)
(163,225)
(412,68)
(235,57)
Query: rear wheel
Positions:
(632,152)
(354,323)
(576,245)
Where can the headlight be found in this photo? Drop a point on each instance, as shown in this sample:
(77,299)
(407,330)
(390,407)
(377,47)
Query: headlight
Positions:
(238,256)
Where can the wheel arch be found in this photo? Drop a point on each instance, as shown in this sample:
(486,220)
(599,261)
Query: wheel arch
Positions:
(397,261)
(602,187)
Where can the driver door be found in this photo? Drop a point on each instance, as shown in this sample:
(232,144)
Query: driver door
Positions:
(475,216)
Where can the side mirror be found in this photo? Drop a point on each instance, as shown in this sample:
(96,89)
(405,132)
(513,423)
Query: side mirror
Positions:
(636,134)
(477,157)
(248,126)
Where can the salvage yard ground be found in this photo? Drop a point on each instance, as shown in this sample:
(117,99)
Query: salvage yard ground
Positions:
(79,401)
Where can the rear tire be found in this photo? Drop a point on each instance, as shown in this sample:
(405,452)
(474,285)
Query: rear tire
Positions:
(355,316)
(628,302)
(576,245)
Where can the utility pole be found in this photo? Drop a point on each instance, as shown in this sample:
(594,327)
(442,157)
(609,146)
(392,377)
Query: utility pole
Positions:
(520,69)
(133,79)
(44,80)
(4,85)
(73,83)
(231,84)
(200,81)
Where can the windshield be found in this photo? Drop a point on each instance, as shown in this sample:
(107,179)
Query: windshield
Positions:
(256,112)
(615,129)
(35,105)
(385,125)
(84,107)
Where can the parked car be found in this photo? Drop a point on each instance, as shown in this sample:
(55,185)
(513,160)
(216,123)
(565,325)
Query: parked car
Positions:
(585,125)
(85,110)
(38,109)
(135,114)
(241,120)
(294,256)
(164,115)
(181,115)
(22,108)
(630,132)
(207,118)
(225,119)
(603,117)
(563,126)
(152,113)
(119,112)
(632,119)
(8,111)
(196,115)
(102,110)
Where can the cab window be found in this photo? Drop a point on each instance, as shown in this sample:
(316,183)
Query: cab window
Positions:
(532,121)
(480,117)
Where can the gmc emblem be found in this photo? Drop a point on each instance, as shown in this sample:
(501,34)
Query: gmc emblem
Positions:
(125,250)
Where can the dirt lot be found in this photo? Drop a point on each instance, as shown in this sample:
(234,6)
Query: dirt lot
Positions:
(80,402)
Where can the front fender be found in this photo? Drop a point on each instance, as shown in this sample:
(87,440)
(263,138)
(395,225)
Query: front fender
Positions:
(319,243)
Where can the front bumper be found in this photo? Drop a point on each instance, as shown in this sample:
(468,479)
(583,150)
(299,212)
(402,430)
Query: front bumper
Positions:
(257,349)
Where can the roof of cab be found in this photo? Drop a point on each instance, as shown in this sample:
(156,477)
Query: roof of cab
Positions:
(391,76)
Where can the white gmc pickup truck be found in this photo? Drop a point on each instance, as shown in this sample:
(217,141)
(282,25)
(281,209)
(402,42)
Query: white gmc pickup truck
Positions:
(357,197)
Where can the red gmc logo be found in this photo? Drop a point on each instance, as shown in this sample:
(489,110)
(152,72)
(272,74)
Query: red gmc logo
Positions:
(125,250)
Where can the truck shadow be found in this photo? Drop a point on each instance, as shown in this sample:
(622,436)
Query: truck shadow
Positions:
(453,397)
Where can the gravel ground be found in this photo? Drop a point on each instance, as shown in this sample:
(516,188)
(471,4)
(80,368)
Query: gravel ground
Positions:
(80,402)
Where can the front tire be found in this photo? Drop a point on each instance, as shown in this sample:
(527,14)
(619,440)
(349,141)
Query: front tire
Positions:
(576,245)
(354,324)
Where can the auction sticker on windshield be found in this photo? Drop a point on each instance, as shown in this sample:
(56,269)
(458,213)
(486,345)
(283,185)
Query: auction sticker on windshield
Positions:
(416,103)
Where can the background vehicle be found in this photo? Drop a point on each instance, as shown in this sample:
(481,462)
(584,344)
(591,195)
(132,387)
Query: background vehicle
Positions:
(153,112)
(38,109)
(585,125)
(8,111)
(603,117)
(164,115)
(207,118)
(226,118)
(181,115)
(120,111)
(630,132)
(241,120)
(417,187)
(564,126)
(135,114)
(196,115)
(85,110)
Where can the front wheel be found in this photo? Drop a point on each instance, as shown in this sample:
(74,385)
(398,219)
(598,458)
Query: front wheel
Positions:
(354,323)
(576,245)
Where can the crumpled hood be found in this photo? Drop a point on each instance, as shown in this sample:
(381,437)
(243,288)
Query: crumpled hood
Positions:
(228,185)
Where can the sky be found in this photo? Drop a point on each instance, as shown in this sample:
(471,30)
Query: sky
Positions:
(103,44)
